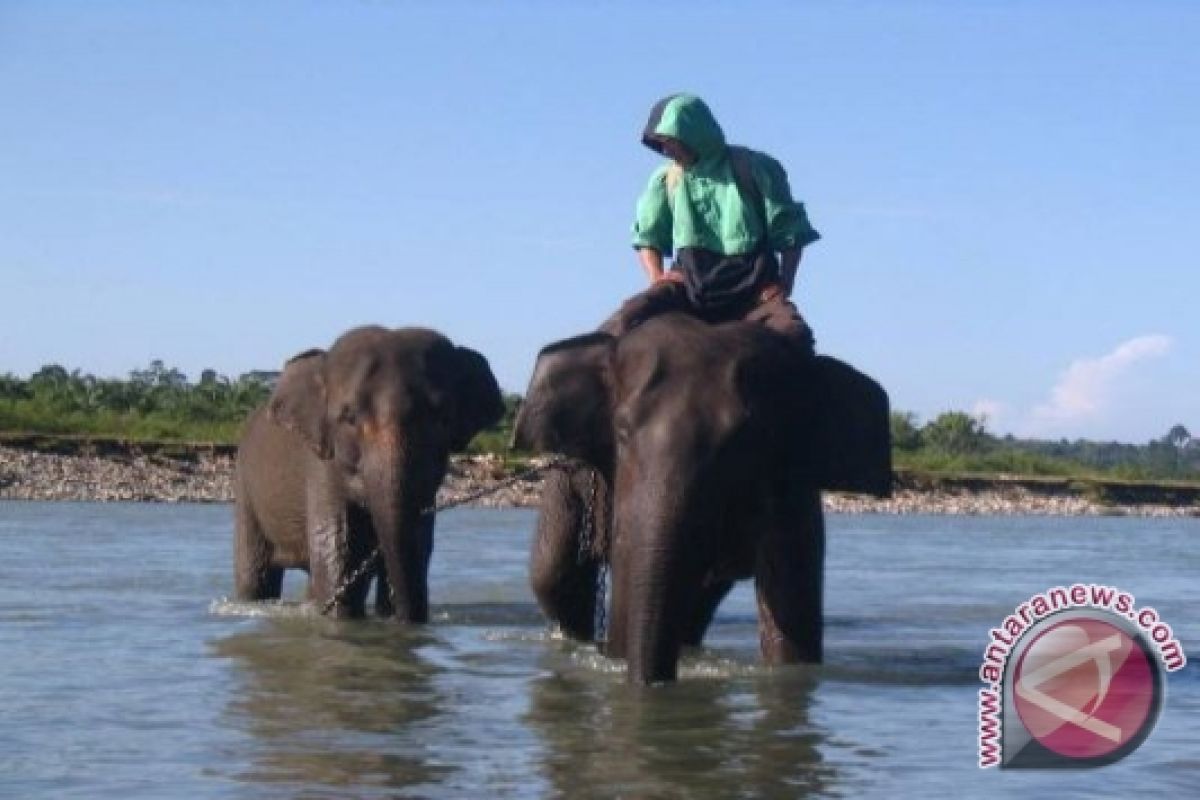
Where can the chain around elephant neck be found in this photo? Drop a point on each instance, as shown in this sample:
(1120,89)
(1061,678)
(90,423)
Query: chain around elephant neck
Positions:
(369,563)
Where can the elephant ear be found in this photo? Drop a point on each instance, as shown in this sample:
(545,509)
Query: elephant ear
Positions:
(478,403)
(850,434)
(567,408)
(298,402)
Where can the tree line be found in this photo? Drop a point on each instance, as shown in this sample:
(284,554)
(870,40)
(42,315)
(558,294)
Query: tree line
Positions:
(155,402)
(160,402)
(958,441)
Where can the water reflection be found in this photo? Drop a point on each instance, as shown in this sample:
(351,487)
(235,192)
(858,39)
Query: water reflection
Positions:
(321,703)
(748,736)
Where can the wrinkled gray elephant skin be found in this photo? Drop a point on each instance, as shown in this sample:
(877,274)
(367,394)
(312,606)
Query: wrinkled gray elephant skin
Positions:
(346,455)
(707,448)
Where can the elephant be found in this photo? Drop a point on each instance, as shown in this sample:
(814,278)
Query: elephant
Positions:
(703,450)
(346,456)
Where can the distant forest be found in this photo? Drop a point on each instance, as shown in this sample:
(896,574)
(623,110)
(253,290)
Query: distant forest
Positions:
(958,442)
(158,402)
(161,403)
(155,403)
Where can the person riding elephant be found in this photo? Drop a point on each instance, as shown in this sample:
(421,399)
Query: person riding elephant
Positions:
(347,456)
(727,214)
(703,450)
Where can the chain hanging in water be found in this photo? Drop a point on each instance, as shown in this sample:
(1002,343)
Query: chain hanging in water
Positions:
(594,546)
(602,567)
(368,564)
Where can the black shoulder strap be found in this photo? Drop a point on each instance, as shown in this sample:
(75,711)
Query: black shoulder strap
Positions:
(741,159)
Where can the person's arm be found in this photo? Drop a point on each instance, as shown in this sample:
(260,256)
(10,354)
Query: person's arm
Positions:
(652,227)
(788,228)
(652,263)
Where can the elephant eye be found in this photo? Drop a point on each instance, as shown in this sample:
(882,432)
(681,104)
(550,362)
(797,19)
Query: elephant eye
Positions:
(347,416)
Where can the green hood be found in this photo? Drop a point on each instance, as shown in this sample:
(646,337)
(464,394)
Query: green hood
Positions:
(684,117)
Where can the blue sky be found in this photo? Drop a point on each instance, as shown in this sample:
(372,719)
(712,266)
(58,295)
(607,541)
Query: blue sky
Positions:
(1007,190)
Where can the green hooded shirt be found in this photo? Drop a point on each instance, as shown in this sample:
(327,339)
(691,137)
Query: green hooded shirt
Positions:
(707,210)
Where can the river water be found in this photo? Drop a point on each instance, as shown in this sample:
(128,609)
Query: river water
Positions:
(124,671)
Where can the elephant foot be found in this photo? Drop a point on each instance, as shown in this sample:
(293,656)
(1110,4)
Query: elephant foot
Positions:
(384,607)
(410,608)
(795,646)
(570,602)
(256,575)
(351,604)
(383,600)
(696,625)
(261,584)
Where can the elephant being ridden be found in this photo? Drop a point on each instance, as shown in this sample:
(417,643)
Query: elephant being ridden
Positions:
(347,456)
(710,445)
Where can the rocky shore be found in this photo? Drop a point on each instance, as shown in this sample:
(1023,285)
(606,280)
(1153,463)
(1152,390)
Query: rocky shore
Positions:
(133,474)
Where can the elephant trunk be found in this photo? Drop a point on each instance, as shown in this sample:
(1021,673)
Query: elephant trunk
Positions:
(656,570)
(395,500)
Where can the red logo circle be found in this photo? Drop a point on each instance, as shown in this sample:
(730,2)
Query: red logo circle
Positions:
(1084,688)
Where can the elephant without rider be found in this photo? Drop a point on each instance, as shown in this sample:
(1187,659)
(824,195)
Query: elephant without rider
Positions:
(346,456)
(706,447)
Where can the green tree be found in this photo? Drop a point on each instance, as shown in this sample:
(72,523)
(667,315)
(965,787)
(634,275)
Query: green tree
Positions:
(50,380)
(13,388)
(955,433)
(905,433)
(1178,437)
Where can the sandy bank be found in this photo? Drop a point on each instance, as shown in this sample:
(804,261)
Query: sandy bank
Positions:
(206,477)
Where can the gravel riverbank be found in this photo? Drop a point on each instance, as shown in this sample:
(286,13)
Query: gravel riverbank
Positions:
(207,478)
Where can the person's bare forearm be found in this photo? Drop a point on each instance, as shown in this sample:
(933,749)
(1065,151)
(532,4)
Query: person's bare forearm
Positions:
(652,263)
(789,265)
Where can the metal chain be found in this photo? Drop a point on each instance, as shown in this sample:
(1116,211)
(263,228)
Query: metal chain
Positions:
(590,535)
(366,566)
(512,480)
(589,551)
(602,601)
(370,561)
(585,551)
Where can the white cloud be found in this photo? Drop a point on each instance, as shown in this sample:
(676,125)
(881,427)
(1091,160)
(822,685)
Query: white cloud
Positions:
(1085,388)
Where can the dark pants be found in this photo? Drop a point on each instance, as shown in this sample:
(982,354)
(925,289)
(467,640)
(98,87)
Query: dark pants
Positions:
(779,314)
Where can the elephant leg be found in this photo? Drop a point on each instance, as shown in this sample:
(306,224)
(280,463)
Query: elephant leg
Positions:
(355,597)
(564,579)
(255,576)
(383,592)
(418,607)
(789,578)
(707,601)
(331,560)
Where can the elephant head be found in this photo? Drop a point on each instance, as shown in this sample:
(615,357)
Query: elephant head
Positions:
(707,435)
(383,409)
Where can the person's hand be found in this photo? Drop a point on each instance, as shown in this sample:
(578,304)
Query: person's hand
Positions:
(670,276)
(772,291)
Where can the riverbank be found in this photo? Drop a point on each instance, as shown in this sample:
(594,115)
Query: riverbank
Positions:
(175,473)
